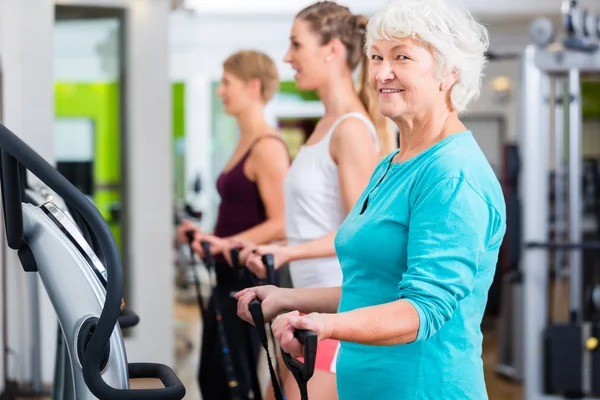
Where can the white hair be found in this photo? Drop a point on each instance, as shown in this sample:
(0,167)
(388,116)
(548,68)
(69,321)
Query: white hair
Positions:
(459,41)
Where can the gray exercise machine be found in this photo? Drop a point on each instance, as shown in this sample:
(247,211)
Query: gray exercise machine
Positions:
(85,293)
(561,354)
(38,195)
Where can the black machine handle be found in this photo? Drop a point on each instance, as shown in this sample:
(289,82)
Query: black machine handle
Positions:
(255,309)
(269,263)
(238,268)
(302,371)
(208,258)
(128,318)
(306,369)
(189,236)
(15,157)
(173,387)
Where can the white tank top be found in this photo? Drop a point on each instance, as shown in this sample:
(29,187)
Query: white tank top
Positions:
(314,207)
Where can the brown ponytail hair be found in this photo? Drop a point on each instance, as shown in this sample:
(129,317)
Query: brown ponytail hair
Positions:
(331,20)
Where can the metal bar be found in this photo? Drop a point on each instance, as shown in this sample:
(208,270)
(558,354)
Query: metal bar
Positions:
(561,62)
(533,185)
(36,350)
(575,200)
(559,190)
(590,245)
(586,364)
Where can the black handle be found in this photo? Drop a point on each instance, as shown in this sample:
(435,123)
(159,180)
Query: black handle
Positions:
(208,258)
(308,339)
(173,386)
(128,319)
(258,318)
(235,261)
(173,389)
(11,200)
(305,370)
(269,263)
(189,235)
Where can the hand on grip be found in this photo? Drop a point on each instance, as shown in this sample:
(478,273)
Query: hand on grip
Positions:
(208,259)
(235,263)
(269,262)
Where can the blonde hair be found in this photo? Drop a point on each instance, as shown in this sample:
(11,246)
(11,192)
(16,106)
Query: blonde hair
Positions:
(330,20)
(250,64)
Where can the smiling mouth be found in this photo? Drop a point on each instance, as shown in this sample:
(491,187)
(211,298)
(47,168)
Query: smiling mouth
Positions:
(387,91)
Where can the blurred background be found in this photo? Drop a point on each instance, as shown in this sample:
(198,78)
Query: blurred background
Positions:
(120,95)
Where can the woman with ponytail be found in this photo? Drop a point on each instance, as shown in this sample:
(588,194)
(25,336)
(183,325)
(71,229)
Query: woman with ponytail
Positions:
(332,168)
(419,250)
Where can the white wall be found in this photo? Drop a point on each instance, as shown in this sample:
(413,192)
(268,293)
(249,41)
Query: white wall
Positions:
(149,175)
(28,110)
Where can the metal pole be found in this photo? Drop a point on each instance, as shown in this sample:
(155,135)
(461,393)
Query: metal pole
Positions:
(36,362)
(534,143)
(575,200)
(560,221)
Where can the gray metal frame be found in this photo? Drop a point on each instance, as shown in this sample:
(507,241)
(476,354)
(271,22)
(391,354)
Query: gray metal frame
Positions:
(66,272)
(535,133)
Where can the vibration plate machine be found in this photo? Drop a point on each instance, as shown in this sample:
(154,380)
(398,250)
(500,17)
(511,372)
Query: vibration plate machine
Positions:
(85,293)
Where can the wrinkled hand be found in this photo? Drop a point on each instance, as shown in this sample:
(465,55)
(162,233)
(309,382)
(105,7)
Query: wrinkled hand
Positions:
(271,297)
(285,325)
(254,260)
(183,228)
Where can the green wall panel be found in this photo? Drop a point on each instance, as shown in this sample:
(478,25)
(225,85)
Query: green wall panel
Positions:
(179,150)
(99,102)
(289,87)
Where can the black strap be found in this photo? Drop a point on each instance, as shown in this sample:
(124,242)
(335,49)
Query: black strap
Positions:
(302,371)
(252,361)
(232,381)
(259,322)
(268,261)
(190,238)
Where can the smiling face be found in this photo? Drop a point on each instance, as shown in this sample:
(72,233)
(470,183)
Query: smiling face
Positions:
(307,56)
(404,74)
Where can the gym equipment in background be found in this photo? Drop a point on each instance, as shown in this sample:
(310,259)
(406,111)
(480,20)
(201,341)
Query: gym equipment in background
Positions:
(86,295)
(561,356)
(510,326)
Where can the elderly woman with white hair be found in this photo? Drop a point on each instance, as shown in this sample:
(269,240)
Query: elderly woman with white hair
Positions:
(419,249)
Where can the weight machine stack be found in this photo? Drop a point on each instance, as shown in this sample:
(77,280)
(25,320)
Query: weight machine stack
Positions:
(561,356)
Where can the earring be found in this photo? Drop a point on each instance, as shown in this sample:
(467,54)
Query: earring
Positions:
(328,59)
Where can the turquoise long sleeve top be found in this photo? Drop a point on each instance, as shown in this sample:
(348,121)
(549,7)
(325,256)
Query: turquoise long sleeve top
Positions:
(427,231)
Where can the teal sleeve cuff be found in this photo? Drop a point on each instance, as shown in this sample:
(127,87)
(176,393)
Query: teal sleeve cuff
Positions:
(422,321)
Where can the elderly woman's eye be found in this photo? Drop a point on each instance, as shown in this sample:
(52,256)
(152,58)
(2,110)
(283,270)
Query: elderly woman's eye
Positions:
(375,57)
(401,57)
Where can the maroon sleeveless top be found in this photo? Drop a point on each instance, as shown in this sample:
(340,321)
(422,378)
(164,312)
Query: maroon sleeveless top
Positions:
(241,207)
